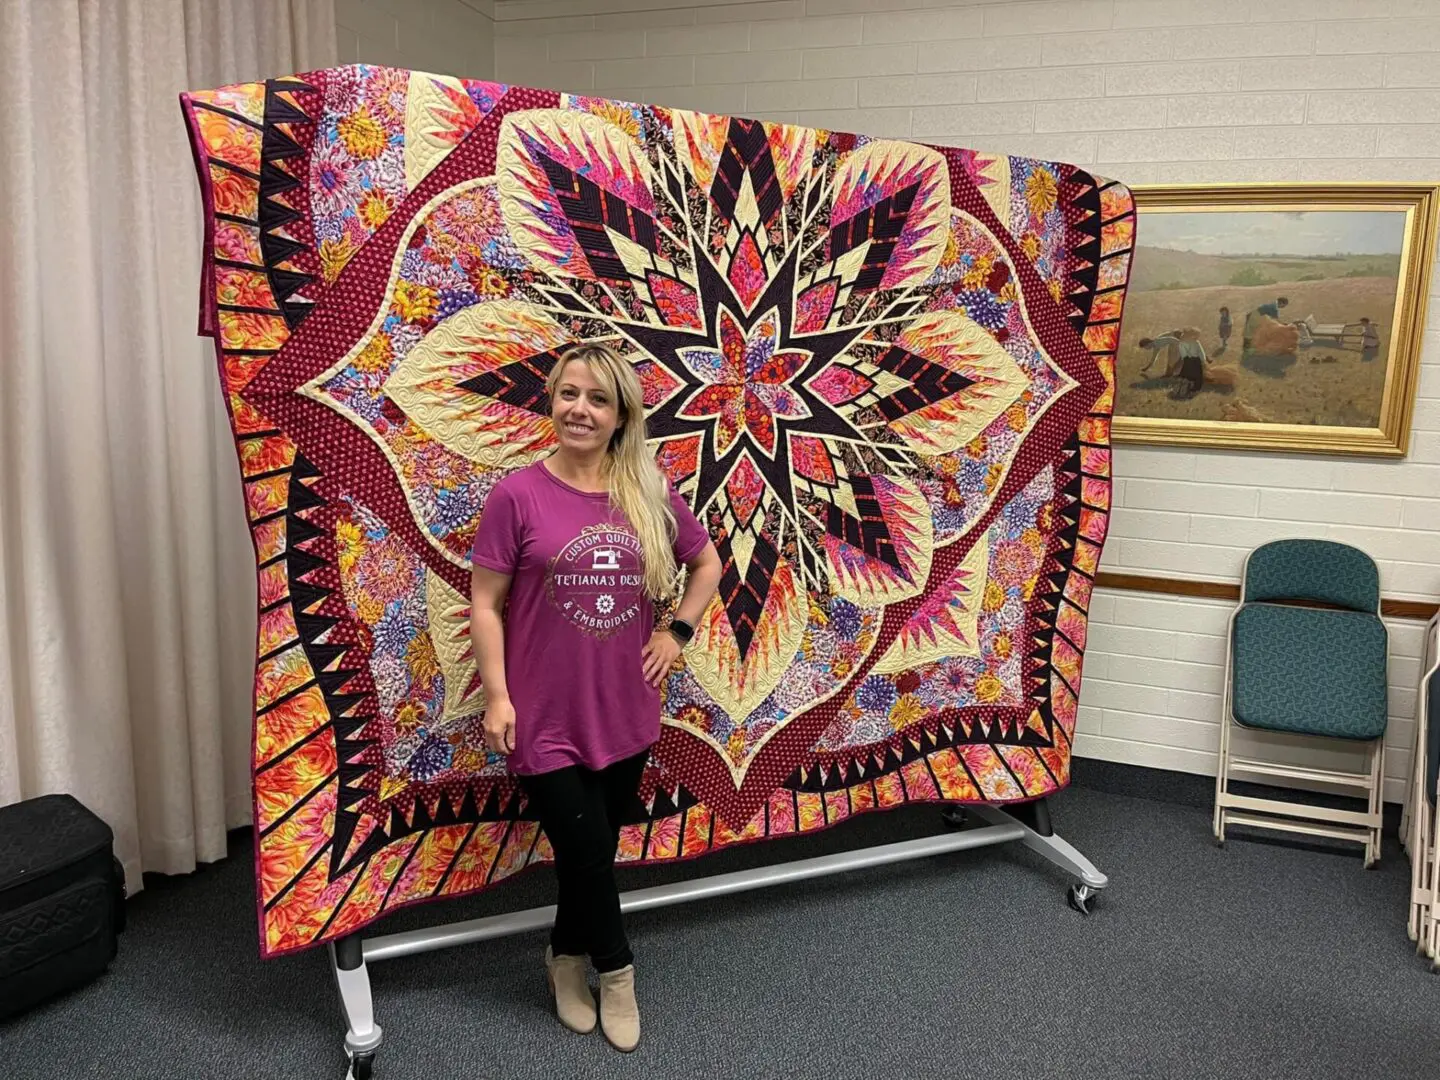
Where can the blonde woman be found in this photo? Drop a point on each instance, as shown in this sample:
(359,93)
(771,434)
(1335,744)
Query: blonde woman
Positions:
(580,543)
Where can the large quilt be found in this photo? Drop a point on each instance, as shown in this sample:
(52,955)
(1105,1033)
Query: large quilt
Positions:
(880,372)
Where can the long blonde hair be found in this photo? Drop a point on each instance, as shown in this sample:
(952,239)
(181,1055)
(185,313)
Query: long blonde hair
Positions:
(637,487)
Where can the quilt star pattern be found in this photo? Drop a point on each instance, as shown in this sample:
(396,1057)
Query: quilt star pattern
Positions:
(881,373)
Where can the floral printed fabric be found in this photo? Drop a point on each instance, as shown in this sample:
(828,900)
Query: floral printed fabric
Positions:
(879,372)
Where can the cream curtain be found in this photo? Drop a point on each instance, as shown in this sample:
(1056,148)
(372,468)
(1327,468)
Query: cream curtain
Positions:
(126,578)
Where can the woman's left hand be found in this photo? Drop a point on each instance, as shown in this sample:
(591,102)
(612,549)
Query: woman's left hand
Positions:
(658,656)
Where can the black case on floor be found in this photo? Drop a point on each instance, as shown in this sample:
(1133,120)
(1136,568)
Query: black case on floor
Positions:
(62,899)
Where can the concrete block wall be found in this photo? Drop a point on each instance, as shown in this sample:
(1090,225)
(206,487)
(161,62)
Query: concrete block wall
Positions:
(1148,91)
(448,37)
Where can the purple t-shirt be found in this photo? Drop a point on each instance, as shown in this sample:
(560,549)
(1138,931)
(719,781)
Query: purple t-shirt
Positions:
(577,621)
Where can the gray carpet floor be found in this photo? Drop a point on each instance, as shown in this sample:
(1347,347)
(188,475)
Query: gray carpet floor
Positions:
(1262,960)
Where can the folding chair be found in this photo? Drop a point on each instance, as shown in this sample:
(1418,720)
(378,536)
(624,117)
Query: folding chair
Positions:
(1306,664)
(1420,826)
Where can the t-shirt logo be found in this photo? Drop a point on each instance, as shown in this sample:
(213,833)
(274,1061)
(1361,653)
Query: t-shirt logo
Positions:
(595,581)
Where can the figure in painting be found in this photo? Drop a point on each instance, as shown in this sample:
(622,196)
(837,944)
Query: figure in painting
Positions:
(1369,341)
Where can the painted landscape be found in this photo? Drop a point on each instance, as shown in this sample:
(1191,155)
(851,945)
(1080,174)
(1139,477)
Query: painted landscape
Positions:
(1310,360)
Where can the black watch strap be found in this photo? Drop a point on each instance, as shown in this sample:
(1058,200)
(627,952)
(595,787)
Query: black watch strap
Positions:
(682,630)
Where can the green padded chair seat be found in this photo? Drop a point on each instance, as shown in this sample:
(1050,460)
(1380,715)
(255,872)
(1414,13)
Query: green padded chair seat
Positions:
(1315,672)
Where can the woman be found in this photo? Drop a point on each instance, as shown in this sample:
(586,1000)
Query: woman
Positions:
(579,544)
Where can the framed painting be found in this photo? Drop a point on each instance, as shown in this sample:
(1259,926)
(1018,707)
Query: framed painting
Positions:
(1283,317)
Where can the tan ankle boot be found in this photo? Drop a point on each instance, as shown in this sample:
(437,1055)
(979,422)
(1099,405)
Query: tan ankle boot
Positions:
(619,1013)
(574,1004)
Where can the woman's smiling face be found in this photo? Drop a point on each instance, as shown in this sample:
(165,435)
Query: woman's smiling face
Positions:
(584,412)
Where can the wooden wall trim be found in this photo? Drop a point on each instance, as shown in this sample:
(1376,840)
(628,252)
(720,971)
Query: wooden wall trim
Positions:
(1227,590)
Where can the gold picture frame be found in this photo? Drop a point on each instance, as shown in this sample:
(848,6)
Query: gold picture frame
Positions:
(1252,406)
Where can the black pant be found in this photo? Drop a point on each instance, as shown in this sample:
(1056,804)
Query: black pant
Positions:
(580,811)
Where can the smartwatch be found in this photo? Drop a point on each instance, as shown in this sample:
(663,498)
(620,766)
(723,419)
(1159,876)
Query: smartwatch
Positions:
(682,630)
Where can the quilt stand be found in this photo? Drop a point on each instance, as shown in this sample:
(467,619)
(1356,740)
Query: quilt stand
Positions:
(1028,823)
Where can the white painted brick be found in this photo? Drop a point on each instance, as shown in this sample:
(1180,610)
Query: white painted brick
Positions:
(1207,649)
(773,9)
(580,76)
(1404,672)
(1391,544)
(1377,36)
(1237,109)
(657,71)
(1193,560)
(1129,641)
(1351,169)
(1012,19)
(1099,694)
(1265,471)
(1421,514)
(1176,674)
(894,26)
(1197,77)
(1247,533)
(819,94)
(860,7)
(1331,507)
(1153,463)
(1408,140)
(347,44)
(991,55)
(536,28)
(1088,116)
(686,40)
(1373,106)
(1161,730)
(806,33)
(1415,69)
(748,67)
(1049,83)
(1087,720)
(1172,613)
(1148,755)
(858,61)
(725,99)
(1388,477)
(592,45)
(1169,145)
(1286,10)
(1180,13)
(644,20)
(367,19)
(1291,39)
(1102,606)
(1149,524)
(1106,47)
(917,90)
(1306,141)
(1305,73)
(379,52)
(1426,416)
(1207,498)
(972,119)
(1075,149)
(890,123)
(1407,639)
(1411,580)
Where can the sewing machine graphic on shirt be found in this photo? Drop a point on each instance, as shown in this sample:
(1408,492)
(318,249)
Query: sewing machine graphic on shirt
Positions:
(605,559)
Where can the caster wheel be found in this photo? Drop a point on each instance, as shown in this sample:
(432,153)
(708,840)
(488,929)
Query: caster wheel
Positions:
(955,817)
(1081,896)
(362,1067)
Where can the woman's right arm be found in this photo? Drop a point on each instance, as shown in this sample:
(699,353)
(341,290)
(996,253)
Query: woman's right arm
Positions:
(488,590)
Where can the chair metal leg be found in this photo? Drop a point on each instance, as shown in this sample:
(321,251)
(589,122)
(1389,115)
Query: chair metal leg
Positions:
(1376,808)
(1222,777)
(352,980)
